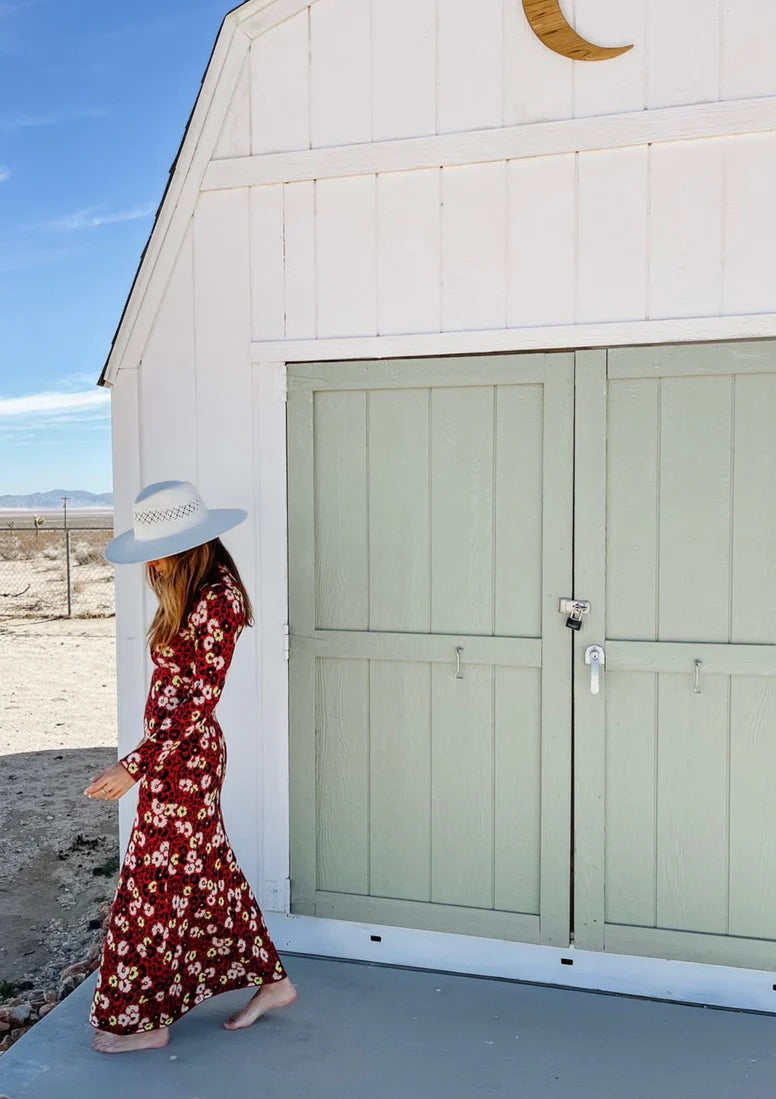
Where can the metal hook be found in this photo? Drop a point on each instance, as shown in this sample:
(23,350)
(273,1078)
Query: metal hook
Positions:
(458,672)
(697,688)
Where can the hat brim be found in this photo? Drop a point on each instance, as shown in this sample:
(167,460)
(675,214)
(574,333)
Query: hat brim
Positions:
(126,549)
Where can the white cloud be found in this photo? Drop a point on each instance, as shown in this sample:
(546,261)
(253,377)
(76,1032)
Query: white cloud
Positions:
(54,118)
(54,406)
(93,218)
(5,174)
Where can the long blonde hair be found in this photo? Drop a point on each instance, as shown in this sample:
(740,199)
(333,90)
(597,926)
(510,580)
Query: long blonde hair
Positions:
(177,589)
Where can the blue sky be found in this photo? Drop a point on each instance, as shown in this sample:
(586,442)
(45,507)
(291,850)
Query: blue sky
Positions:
(93,101)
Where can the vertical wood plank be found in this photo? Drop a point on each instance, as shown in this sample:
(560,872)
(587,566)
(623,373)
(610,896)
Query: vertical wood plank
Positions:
(685,233)
(538,84)
(541,204)
(692,805)
(346,256)
(589,709)
(750,225)
(400,780)
(462,786)
(341,510)
(222,316)
(267,263)
(131,679)
(167,379)
(341,34)
(754,511)
(343,776)
(280,87)
(695,500)
(299,239)
(271,610)
(409,251)
(302,675)
(398,427)
(676,75)
(470,65)
(462,510)
(235,136)
(633,433)
(611,274)
(631,798)
(473,247)
(403,36)
(616,85)
(517,826)
(519,505)
(749,49)
(557,580)
(752,808)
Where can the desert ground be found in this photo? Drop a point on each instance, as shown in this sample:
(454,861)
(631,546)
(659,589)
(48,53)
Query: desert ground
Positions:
(57,731)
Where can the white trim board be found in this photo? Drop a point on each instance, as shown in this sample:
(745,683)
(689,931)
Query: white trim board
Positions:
(489,341)
(650,978)
(706,120)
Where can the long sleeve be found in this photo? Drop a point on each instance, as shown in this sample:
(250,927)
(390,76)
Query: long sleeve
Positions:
(181,702)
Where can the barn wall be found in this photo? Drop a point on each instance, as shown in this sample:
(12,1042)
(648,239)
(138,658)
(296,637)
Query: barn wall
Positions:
(345,71)
(685,229)
(190,409)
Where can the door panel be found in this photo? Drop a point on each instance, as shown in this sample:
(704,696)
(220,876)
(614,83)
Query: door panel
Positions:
(430,537)
(674,827)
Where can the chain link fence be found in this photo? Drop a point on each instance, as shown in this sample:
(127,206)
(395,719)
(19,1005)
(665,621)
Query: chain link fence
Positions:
(55,573)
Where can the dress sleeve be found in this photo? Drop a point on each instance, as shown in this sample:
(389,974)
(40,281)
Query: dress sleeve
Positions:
(216,623)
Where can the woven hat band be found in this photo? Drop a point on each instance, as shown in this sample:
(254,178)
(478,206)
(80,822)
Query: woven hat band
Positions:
(168,513)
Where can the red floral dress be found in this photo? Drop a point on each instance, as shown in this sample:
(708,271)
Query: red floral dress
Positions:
(184,925)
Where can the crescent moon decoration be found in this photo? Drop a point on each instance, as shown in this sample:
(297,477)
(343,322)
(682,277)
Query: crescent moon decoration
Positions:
(551,27)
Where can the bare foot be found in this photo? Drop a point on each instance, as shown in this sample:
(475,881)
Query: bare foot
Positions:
(269,997)
(104,1042)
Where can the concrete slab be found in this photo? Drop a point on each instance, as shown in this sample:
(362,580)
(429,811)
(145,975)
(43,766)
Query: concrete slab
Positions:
(364,1032)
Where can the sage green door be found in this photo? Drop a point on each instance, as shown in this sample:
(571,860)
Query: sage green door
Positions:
(675,757)
(430,529)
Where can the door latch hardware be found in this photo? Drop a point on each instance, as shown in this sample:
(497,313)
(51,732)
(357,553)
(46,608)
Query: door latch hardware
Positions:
(596,658)
(458,672)
(574,609)
(697,687)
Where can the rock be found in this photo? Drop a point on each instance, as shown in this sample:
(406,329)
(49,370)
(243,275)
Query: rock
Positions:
(46,1009)
(37,996)
(70,984)
(77,970)
(6,1043)
(4,1013)
(20,1016)
(4,1026)
(18,1033)
(51,996)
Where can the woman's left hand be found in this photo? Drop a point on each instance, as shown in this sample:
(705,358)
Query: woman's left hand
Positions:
(112,784)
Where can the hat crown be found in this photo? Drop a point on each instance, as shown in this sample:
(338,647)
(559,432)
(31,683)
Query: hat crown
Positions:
(167,508)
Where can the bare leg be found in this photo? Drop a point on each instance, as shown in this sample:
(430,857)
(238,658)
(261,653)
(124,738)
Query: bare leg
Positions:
(268,998)
(104,1042)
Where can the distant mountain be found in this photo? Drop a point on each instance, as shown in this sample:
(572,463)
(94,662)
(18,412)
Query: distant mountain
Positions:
(52,501)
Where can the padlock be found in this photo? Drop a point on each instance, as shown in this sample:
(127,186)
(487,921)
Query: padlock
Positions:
(574,621)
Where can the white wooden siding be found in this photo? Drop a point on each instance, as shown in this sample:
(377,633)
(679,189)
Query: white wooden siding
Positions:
(686,229)
(348,71)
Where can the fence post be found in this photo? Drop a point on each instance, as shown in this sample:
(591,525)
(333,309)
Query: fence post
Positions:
(67,565)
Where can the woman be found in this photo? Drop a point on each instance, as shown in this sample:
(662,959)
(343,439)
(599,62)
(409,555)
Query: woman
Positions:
(184,925)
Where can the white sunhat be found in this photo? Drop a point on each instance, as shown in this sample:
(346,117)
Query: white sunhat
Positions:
(169,517)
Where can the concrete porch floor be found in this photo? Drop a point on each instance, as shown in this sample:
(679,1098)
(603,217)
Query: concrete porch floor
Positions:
(365,1032)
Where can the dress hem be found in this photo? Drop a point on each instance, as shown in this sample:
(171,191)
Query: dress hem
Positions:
(230,986)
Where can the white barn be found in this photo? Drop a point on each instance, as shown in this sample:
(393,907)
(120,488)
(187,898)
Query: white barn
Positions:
(471,327)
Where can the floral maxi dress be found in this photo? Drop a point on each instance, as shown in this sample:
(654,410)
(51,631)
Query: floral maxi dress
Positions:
(184,924)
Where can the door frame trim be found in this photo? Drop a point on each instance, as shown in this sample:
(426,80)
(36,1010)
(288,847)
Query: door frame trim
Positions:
(591,971)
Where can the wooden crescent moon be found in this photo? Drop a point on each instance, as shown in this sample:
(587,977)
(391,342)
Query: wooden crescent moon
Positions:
(551,27)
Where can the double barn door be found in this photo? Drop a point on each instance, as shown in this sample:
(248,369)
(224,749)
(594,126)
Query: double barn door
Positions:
(451,766)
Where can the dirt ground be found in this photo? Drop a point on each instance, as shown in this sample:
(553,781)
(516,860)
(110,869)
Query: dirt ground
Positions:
(59,849)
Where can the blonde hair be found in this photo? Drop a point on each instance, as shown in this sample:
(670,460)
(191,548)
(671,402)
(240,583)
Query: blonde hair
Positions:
(177,589)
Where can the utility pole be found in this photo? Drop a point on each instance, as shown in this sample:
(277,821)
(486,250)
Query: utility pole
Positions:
(68,571)
(64,505)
